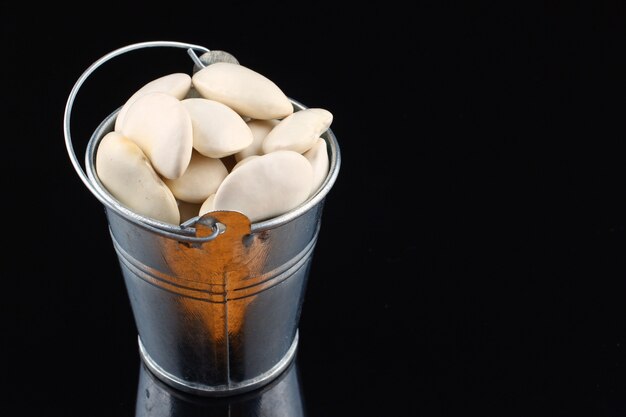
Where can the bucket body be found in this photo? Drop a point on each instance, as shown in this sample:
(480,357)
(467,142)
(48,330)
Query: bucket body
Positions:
(220,316)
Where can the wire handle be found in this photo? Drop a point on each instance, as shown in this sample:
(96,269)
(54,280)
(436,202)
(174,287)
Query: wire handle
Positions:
(191,48)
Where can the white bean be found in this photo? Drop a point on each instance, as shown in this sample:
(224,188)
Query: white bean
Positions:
(218,131)
(318,157)
(127,174)
(260,129)
(266,186)
(159,124)
(177,85)
(201,179)
(299,131)
(208,205)
(242,89)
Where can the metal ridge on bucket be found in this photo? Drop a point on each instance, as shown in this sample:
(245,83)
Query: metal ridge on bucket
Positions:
(216,300)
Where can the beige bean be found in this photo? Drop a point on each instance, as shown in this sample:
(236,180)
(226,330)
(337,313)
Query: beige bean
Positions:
(159,124)
(201,179)
(260,129)
(177,85)
(218,131)
(126,173)
(298,132)
(266,186)
(208,205)
(318,157)
(242,89)
(243,161)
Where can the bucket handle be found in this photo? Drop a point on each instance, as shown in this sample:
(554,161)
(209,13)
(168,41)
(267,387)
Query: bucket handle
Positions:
(191,48)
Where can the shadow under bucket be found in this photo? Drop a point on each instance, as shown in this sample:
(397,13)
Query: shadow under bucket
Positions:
(217,300)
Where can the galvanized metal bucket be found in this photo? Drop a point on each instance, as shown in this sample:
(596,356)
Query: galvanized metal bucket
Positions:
(217,300)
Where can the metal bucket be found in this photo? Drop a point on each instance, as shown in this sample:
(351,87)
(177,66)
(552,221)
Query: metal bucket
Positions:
(217,300)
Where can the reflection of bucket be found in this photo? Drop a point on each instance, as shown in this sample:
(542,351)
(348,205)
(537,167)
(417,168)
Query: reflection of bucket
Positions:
(282,397)
(216,301)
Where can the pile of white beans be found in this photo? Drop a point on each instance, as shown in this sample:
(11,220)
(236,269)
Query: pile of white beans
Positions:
(225,138)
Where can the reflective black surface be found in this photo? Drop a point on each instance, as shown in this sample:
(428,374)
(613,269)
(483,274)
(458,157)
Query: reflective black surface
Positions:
(472,256)
(282,397)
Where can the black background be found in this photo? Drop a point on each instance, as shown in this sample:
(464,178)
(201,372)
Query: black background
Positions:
(473,249)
